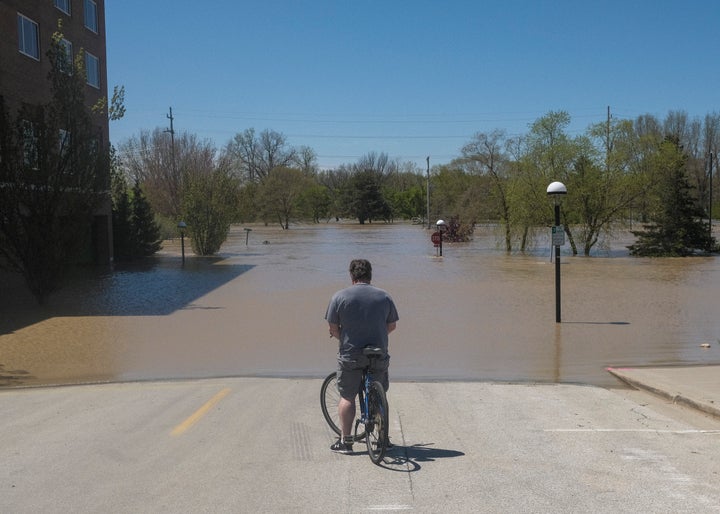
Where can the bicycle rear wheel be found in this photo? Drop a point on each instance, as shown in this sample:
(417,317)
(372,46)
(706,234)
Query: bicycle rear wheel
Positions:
(377,426)
(329,398)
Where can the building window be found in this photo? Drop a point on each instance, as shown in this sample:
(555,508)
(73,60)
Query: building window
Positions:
(28,39)
(91,18)
(63,5)
(92,69)
(66,59)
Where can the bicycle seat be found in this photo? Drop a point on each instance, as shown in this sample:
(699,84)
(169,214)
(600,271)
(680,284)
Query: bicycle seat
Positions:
(371,351)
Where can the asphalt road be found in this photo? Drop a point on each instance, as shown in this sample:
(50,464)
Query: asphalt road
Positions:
(261,445)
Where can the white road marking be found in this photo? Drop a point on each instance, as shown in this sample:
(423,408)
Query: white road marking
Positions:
(642,430)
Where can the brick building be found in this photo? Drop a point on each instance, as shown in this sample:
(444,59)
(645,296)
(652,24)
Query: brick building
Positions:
(26,28)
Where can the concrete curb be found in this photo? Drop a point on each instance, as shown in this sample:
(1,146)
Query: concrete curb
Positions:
(626,375)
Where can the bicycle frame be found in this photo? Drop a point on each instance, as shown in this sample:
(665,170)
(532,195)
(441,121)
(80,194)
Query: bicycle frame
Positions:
(371,412)
(364,394)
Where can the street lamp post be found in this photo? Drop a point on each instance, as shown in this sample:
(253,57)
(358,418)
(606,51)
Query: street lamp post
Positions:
(441,227)
(182,226)
(557,190)
(710,205)
(427,192)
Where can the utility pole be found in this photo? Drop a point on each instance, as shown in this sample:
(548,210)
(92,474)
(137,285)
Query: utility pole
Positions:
(711,199)
(172,140)
(428,192)
(175,179)
(607,141)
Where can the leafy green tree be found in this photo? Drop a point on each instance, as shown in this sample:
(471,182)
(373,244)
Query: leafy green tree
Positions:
(605,181)
(53,174)
(407,203)
(545,154)
(337,183)
(447,184)
(677,227)
(281,194)
(248,202)
(209,207)
(315,201)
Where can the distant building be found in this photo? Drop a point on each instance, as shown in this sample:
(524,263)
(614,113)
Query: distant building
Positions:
(26,28)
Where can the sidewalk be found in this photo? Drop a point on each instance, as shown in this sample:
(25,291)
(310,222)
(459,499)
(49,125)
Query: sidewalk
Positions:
(694,386)
(262,445)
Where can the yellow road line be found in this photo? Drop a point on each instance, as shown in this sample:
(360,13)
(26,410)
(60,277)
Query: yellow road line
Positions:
(185,425)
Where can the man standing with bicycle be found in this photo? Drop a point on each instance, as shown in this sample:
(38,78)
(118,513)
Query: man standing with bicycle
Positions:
(358,316)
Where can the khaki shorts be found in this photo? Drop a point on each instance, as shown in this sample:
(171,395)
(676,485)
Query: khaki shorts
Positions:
(349,374)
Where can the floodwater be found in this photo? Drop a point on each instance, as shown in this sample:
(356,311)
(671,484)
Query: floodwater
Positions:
(257,309)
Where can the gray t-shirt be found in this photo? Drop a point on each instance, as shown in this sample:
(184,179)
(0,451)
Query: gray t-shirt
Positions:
(363,312)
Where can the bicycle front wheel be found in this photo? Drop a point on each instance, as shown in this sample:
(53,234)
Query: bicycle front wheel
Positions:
(329,399)
(377,426)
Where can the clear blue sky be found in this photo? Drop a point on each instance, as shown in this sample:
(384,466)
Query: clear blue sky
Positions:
(408,78)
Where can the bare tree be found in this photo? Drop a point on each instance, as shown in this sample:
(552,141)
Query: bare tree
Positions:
(253,156)
(380,165)
(306,160)
(151,159)
(485,156)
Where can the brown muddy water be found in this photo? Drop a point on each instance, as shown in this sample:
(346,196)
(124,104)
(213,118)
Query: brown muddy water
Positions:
(257,310)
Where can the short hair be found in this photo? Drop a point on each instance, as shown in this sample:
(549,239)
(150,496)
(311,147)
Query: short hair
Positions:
(360,270)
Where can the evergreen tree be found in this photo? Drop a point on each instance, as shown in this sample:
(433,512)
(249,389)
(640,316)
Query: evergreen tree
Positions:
(677,227)
(145,232)
(122,249)
(135,231)
(366,199)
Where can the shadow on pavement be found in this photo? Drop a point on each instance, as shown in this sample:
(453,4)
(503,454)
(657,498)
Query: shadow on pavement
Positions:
(408,458)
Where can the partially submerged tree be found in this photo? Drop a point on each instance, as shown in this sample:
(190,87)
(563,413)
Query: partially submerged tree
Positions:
(209,207)
(136,234)
(365,200)
(145,232)
(281,195)
(677,228)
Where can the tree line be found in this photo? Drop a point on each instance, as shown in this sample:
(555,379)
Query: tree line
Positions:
(621,173)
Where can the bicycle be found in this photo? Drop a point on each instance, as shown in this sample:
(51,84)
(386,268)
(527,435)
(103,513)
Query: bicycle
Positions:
(370,402)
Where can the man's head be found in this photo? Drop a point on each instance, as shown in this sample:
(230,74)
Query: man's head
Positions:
(360,271)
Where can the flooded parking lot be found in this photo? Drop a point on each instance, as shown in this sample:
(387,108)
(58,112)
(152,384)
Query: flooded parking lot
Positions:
(257,309)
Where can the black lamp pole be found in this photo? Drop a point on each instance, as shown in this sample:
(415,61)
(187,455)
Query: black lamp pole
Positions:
(557,190)
(557,265)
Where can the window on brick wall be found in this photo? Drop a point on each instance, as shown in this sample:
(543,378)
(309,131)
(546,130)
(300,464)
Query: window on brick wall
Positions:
(91,18)
(92,70)
(63,5)
(66,64)
(28,39)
